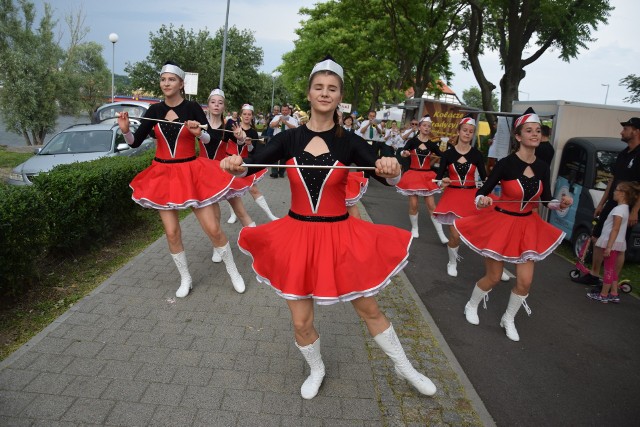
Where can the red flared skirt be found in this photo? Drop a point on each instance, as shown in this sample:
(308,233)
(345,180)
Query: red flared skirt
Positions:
(356,187)
(327,261)
(196,184)
(415,183)
(455,203)
(504,237)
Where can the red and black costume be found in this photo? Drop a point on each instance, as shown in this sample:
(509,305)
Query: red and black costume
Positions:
(357,184)
(512,231)
(242,149)
(458,198)
(328,255)
(216,149)
(418,180)
(177,179)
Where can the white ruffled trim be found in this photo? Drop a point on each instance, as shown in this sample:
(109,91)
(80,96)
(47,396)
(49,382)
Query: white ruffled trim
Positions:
(192,203)
(524,257)
(363,189)
(445,218)
(331,300)
(424,193)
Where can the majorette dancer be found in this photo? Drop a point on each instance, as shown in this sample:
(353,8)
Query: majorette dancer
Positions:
(418,181)
(329,256)
(216,149)
(243,142)
(460,165)
(177,178)
(512,231)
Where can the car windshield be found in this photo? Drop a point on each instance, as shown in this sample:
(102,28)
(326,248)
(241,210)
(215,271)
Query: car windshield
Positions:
(604,164)
(110,112)
(95,141)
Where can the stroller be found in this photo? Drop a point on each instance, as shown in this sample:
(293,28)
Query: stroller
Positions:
(581,268)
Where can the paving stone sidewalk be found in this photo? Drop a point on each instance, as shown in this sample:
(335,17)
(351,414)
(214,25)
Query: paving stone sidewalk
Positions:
(131,354)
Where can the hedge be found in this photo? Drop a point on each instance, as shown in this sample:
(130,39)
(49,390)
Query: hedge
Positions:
(72,208)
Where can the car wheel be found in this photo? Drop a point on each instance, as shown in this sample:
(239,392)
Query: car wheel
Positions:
(580,237)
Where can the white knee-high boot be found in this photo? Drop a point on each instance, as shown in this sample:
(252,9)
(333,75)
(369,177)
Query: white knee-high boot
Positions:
(414,225)
(508,318)
(505,277)
(262,202)
(443,238)
(471,309)
(227,257)
(312,355)
(452,265)
(186,284)
(233,218)
(390,344)
(216,256)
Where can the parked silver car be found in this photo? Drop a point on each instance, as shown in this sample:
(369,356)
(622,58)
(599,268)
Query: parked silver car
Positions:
(79,143)
(107,113)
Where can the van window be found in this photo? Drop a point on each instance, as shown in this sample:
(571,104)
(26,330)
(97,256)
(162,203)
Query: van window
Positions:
(573,165)
(604,164)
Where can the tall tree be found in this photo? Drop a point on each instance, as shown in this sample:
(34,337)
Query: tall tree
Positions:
(356,34)
(632,83)
(473,98)
(199,52)
(422,33)
(30,60)
(521,31)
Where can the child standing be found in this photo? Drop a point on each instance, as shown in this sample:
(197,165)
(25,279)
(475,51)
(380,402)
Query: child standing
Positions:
(613,240)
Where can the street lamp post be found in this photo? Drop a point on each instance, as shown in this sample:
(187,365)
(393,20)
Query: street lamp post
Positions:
(274,76)
(113,38)
(606,94)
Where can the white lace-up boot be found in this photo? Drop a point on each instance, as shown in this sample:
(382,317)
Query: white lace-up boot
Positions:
(443,238)
(227,257)
(508,318)
(414,225)
(452,265)
(471,309)
(233,218)
(252,224)
(262,202)
(390,344)
(505,276)
(312,355)
(186,284)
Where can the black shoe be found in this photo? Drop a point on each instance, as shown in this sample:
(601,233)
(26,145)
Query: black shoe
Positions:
(281,176)
(274,175)
(587,279)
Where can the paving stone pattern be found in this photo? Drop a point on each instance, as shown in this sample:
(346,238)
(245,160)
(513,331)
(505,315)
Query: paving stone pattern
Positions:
(131,354)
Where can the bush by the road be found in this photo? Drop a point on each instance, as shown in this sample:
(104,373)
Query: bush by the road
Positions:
(70,209)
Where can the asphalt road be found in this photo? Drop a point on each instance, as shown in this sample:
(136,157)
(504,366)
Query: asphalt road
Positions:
(577,362)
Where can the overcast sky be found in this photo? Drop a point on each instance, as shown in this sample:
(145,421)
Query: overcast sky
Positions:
(615,55)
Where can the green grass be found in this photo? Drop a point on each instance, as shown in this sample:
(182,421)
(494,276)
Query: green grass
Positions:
(10,159)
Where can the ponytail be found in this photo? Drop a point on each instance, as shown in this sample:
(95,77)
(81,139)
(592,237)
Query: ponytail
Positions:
(336,120)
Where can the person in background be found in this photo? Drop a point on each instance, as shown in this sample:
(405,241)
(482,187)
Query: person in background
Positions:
(281,123)
(625,168)
(348,124)
(545,150)
(613,242)
(372,132)
(329,256)
(418,181)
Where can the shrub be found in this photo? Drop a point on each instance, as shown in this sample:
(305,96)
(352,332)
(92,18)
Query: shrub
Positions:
(71,208)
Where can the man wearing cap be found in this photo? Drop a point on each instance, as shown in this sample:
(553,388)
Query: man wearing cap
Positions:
(626,168)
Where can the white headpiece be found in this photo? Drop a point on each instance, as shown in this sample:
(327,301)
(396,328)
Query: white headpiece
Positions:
(529,116)
(247,107)
(328,65)
(174,69)
(467,120)
(216,91)
(426,118)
